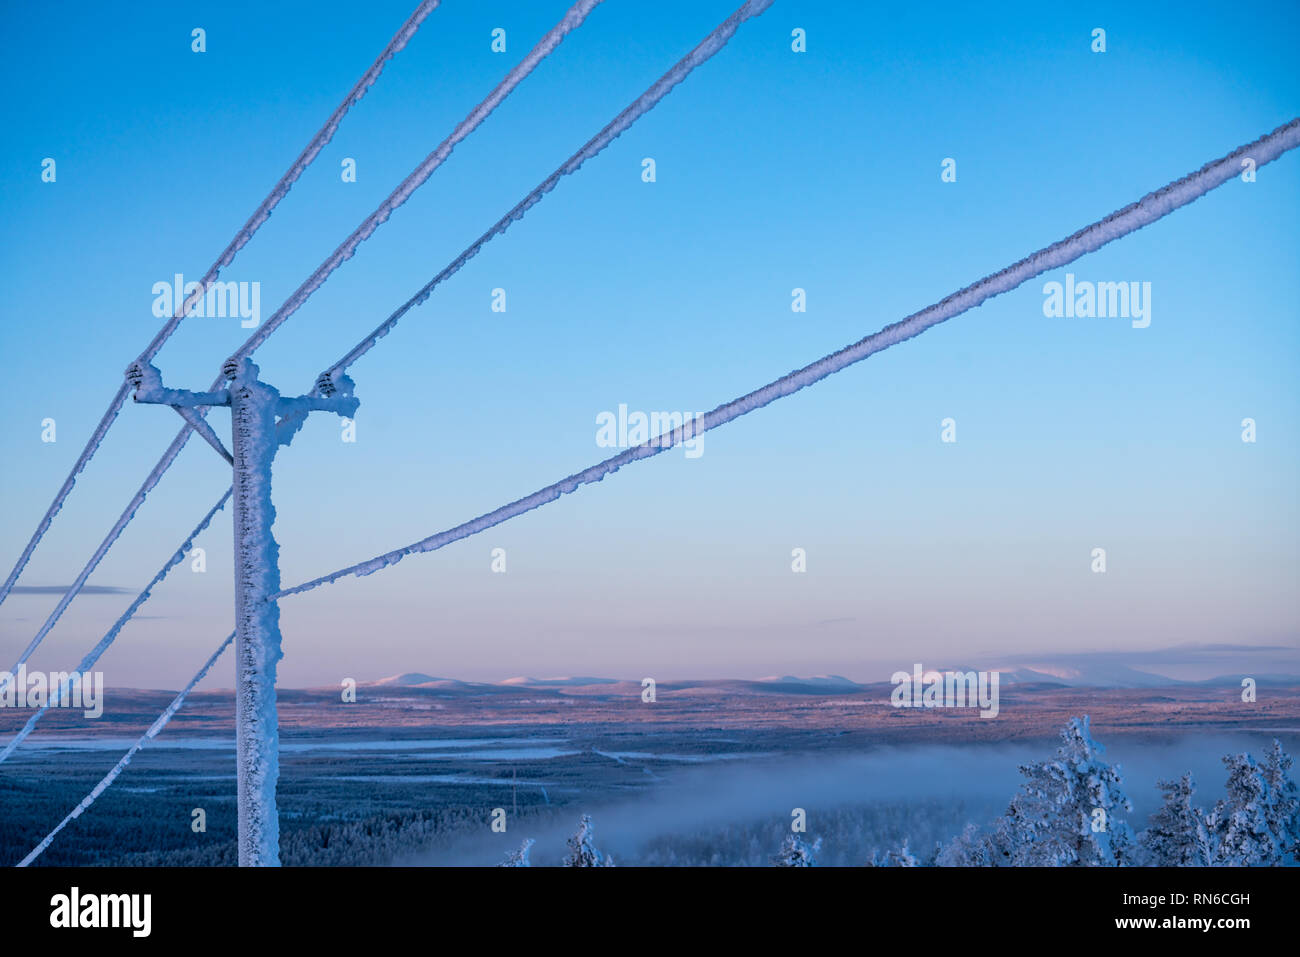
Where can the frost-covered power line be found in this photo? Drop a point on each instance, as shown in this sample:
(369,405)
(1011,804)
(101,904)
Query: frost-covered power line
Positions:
(571,20)
(1150,208)
(118,768)
(329,382)
(1147,210)
(241,239)
(709,46)
(110,636)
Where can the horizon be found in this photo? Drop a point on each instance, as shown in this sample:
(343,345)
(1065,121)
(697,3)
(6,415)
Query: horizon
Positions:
(1073,670)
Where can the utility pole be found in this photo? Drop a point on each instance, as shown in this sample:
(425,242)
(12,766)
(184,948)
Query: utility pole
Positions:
(255,438)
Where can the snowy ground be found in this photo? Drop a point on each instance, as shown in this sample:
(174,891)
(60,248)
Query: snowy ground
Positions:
(412,775)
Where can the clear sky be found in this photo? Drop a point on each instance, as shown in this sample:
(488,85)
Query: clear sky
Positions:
(775,170)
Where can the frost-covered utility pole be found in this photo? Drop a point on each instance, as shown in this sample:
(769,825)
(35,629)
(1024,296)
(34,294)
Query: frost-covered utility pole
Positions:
(254,409)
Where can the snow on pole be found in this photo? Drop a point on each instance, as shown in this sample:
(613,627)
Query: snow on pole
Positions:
(571,21)
(95,653)
(1145,211)
(257,621)
(707,47)
(254,407)
(255,438)
(144,739)
(260,216)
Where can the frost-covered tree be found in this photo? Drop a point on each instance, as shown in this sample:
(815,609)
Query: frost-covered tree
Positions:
(582,852)
(1240,826)
(902,857)
(1283,808)
(1258,821)
(519,858)
(1067,811)
(796,852)
(1176,835)
(967,849)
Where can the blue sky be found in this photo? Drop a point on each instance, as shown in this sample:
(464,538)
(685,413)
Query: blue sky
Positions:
(775,170)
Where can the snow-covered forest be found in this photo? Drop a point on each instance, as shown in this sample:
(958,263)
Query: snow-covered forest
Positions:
(1068,806)
(1071,811)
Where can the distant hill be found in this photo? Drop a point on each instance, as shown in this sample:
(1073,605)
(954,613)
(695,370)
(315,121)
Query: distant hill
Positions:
(570,682)
(414,679)
(1101,675)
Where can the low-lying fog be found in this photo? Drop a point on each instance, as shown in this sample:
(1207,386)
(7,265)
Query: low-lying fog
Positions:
(923,793)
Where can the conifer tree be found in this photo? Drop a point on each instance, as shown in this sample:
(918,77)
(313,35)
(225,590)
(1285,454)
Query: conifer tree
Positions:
(582,852)
(1176,835)
(1240,826)
(967,849)
(519,858)
(1283,809)
(796,852)
(1068,810)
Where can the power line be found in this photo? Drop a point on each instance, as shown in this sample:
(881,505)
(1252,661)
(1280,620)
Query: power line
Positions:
(290,423)
(571,20)
(246,232)
(1150,208)
(1147,210)
(709,46)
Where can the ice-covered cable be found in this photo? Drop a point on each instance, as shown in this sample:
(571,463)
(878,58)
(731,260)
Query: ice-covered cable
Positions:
(706,49)
(1147,210)
(95,653)
(710,45)
(241,239)
(144,739)
(571,21)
